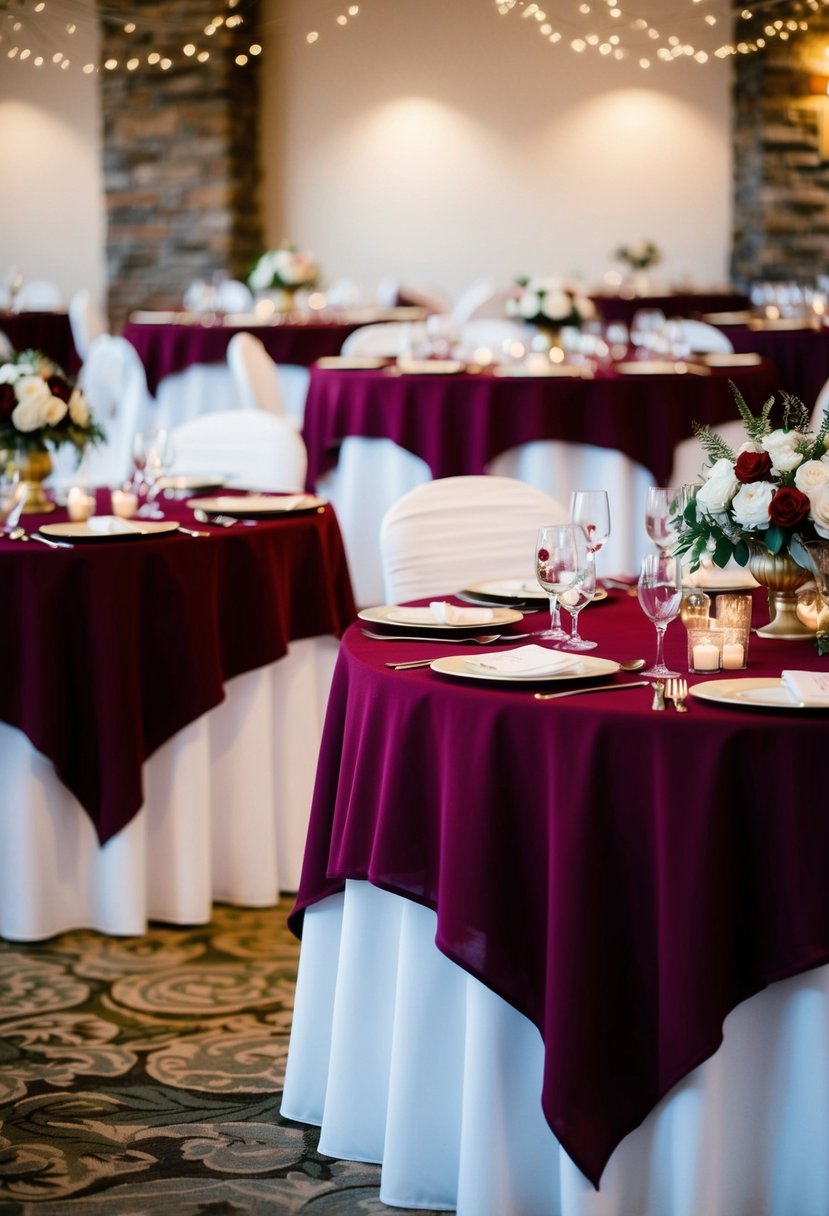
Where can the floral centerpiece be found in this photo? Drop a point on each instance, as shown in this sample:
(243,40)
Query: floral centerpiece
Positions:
(548,304)
(285,269)
(639,255)
(41,407)
(765,505)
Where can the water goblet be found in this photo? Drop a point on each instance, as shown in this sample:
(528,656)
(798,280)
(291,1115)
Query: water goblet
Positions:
(556,557)
(590,509)
(663,506)
(660,595)
(156,447)
(578,595)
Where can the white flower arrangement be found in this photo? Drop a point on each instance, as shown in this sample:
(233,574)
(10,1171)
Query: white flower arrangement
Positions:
(548,302)
(639,255)
(40,404)
(286,268)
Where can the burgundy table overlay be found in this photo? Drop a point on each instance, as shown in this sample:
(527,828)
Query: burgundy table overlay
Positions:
(111,647)
(801,356)
(458,423)
(624,878)
(49,332)
(168,349)
(672,304)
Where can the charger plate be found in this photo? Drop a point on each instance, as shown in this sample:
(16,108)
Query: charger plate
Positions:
(589,668)
(764,692)
(392,615)
(142,530)
(257,506)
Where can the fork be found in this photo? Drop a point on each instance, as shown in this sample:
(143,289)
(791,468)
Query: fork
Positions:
(224,521)
(676,690)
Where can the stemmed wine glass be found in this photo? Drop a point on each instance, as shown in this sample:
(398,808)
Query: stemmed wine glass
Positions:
(556,558)
(660,595)
(590,509)
(662,506)
(579,593)
(152,455)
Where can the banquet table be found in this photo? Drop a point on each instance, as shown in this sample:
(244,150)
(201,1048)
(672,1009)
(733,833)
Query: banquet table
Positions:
(49,332)
(524,924)
(800,355)
(161,693)
(618,307)
(613,431)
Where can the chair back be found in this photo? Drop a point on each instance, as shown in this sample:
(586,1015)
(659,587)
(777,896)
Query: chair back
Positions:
(820,407)
(115,385)
(232,295)
(445,534)
(6,348)
(386,338)
(254,374)
(86,321)
(703,338)
(249,449)
(481,300)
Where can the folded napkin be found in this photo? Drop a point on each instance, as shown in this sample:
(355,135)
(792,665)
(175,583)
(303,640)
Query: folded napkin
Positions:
(529,660)
(111,525)
(808,688)
(439,612)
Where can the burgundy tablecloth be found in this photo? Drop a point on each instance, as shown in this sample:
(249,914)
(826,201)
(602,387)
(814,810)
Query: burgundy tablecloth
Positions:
(458,423)
(624,878)
(672,304)
(49,332)
(110,648)
(167,349)
(801,356)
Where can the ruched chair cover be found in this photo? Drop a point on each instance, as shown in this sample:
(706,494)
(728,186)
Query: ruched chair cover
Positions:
(482,300)
(447,533)
(385,339)
(233,296)
(249,449)
(86,320)
(703,338)
(254,374)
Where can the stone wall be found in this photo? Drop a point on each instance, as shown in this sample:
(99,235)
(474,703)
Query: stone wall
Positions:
(781,172)
(181,153)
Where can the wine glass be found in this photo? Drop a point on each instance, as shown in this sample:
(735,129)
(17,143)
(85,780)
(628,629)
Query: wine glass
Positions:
(660,595)
(590,509)
(662,506)
(578,594)
(153,455)
(556,558)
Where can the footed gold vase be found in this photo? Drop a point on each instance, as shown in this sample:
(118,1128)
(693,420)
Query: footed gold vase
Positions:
(781,576)
(34,467)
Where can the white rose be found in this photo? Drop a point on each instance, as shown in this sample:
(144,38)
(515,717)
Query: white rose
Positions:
(55,411)
(528,305)
(718,489)
(780,445)
(78,408)
(28,415)
(820,510)
(556,305)
(10,373)
(585,307)
(262,274)
(811,475)
(33,392)
(750,505)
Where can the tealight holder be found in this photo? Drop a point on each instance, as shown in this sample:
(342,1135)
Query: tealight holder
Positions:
(79,505)
(734,617)
(705,649)
(695,608)
(734,649)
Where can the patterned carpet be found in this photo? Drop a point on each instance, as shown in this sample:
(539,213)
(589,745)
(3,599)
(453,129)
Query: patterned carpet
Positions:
(144,1076)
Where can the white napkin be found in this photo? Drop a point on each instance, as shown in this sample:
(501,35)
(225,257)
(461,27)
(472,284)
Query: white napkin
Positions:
(111,525)
(529,660)
(808,688)
(442,613)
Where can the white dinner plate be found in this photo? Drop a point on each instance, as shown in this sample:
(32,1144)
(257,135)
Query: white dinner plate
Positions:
(554,369)
(351,362)
(257,506)
(727,318)
(589,668)
(722,358)
(140,529)
(508,589)
(767,692)
(393,614)
(429,367)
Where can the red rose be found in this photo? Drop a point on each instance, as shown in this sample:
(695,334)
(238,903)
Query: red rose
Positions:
(752,466)
(7,402)
(59,388)
(543,555)
(789,507)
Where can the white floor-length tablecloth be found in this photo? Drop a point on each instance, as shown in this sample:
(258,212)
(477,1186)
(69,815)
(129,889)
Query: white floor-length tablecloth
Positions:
(207,388)
(404,1059)
(224,817)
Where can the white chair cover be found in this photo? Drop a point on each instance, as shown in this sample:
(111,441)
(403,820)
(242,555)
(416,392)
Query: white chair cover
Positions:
(560,468)
(39,294)
(6,348)
(86,322)
(404,1059)
(702,337)
(115,385)
(251,449)
(233,296)
(482,300)
(370,475)
(447,533)
(386,338)
(224,817)
(690,460)
(254,373)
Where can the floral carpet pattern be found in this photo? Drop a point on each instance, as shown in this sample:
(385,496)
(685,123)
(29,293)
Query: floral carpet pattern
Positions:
(144,1076)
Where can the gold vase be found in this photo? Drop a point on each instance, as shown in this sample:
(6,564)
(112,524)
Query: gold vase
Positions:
(284,299)
(34,466)
(781,576)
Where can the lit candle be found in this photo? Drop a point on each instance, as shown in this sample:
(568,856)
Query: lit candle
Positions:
(124,503)
(732,655)
(80,505)
(706,657)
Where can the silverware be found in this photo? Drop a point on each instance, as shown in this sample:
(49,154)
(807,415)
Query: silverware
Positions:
(658,695)
(223,521)
(17,533)
(480,639)
(575,692)
(518,605)
(52,544)
(412,663)
(676,690)
(191,532)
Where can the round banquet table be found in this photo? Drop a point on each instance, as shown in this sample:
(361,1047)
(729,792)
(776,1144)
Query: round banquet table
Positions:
(801,356)
(528,925)
(671,303)
(160,712)
(373,434)
(49,332)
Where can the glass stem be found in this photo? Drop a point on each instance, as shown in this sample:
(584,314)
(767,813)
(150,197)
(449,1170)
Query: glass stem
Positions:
(555,613)
(574,625)
(660,637)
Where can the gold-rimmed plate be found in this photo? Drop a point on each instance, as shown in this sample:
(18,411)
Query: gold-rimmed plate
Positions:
(510,590)
(764,692)
(588,667)
(399,617)
(257,506)
(138,529)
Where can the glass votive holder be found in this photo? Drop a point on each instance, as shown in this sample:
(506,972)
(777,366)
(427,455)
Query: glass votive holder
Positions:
(734,649)
(734,616)
(79,504)
(694,608)
(705,649)
(124,503)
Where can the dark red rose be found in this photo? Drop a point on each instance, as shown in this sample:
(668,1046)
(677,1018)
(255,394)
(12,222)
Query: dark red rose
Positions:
(752,466)
(7,402)
(789,507)
(543,555)
(59,388)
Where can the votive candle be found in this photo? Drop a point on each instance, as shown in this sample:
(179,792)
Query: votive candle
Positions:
(79,504)
(124,503)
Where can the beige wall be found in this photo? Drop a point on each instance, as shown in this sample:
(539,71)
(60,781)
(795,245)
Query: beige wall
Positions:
(429,140)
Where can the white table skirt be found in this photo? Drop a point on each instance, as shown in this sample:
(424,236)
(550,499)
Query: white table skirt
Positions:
(206,388)
(225,814)
(404,1059)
